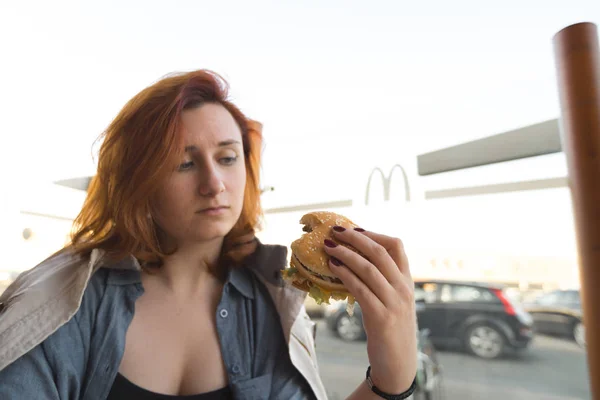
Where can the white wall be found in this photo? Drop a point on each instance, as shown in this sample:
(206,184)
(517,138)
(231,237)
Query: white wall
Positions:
(523,237)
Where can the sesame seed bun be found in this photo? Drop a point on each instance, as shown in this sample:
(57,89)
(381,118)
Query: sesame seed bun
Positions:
(308,254)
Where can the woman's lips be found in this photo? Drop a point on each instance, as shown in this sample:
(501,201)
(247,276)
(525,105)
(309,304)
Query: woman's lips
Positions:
(213,210)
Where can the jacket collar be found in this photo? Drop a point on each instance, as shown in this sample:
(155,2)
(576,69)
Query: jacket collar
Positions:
(266,261)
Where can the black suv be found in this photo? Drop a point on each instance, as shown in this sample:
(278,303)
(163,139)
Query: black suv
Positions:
(558,313)
(478,316)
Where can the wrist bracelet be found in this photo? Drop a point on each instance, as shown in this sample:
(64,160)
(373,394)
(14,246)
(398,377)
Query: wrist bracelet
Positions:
(388,396)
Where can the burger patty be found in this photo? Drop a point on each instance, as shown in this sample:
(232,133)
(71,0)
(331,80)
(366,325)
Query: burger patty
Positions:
(323,277)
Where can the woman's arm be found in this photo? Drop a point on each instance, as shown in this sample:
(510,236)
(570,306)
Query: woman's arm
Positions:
(51,370)
(287,382)
(381,283)
(30,377)
(363,392)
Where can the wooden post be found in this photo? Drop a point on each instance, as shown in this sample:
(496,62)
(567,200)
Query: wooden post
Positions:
(577,58)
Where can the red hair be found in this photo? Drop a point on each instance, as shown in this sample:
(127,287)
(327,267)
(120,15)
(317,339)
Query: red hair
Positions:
(139,149)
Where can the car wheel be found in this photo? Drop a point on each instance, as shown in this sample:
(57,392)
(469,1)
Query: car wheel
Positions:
(349,328)
(485,341)
(579,333)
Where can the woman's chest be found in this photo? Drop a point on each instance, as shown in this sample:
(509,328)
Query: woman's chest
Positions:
(174,350)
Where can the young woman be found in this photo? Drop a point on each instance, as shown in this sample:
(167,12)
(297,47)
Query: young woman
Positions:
(165,293)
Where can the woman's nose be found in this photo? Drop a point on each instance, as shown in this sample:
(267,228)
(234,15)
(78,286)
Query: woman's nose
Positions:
(211,184)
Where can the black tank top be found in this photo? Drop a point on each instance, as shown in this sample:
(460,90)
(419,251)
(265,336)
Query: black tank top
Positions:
(123,389)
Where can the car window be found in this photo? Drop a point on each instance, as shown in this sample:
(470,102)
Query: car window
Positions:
(426,292)
(462,293)
(549,299)
(571,297)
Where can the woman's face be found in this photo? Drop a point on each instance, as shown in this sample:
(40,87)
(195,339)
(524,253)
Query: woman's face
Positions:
(202,198)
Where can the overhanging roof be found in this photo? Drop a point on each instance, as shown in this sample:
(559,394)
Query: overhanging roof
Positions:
(531,141)
(80,183)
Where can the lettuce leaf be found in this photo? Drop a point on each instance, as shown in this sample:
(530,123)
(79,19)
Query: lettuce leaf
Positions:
(289,273)
(320,295)
(339,296)
(316,294)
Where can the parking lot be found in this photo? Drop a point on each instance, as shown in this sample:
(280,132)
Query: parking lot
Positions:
(552,369)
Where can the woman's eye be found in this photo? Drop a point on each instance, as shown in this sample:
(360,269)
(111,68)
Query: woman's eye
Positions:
(228,160)
(186,165)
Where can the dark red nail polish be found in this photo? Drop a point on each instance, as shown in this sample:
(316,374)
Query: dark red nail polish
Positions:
(339,228)
(336,262)
(330,243)
(359,230)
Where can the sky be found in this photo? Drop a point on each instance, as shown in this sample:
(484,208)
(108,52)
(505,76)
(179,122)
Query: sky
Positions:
(340,86)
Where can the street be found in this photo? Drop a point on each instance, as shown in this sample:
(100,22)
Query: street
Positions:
(552,369)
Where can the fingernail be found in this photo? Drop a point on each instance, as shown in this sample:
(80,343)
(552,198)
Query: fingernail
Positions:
(330,243)
(339,228)
(336,262)
(359,230)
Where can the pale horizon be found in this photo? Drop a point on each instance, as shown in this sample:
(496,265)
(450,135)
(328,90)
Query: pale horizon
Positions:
(340,89)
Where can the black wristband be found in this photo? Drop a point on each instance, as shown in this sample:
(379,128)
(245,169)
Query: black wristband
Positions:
(388,396)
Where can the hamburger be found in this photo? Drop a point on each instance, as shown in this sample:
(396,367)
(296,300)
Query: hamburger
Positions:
(309,264)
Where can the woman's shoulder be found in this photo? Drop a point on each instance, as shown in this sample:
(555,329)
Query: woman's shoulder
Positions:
(64,291)
(91,296)
(50,292)
(267,262)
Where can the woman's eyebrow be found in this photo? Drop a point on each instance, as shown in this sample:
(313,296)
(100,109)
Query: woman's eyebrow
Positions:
(223,143)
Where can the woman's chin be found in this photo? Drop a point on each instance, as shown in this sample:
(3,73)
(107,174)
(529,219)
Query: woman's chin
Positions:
(210,233)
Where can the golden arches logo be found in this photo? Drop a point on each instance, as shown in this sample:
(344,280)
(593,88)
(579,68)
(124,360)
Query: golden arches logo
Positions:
(387,182)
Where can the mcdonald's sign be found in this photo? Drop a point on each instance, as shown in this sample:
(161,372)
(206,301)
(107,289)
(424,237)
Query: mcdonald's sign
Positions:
(386,183)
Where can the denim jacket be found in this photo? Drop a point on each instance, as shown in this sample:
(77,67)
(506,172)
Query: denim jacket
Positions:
(47,303)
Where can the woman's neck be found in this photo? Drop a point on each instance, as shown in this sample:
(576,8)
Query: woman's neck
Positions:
(190,269)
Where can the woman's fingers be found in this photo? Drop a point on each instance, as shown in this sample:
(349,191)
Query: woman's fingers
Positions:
(365,296)
(394,247)
(385,256)
(365,275)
